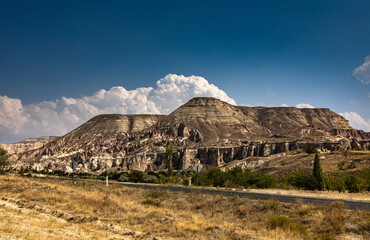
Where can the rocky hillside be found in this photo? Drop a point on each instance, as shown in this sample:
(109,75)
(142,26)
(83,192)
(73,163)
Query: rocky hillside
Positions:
(204,130)
(27,145)
(213,120)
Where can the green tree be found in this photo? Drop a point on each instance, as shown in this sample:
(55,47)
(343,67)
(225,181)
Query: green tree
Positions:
(4,162)
(317,173)
(169,155)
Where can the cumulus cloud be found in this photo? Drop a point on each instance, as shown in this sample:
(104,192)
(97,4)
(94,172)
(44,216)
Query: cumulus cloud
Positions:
(304,105)
(18,121)
(284,105)
(356,121)
(362,72)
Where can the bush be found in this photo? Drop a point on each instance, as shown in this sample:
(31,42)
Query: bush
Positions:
(150,179)
(355,184)
(303,180)
(365,175)
(265,181)
(124,177)
(136,176)
(360,149)
(114,175)
(341,165)
(335,183)
(352,165)
(217,177)
(4,161)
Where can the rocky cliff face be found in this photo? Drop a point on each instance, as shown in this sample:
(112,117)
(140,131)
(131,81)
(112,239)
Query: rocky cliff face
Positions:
(204,130)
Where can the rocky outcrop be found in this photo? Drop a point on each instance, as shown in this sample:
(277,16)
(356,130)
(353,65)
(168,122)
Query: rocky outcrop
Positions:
(183,158)
(27,145)
(204,130)
(351,133)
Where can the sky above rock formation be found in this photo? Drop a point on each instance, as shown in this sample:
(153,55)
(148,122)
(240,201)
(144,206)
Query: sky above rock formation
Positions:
(63,62)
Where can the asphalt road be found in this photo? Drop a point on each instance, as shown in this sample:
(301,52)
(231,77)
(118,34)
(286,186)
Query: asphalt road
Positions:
(352,205)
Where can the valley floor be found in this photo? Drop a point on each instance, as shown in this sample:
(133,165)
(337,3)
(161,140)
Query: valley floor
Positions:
(49,209)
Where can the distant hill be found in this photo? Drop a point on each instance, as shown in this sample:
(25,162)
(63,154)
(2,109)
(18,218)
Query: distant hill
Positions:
(26,145)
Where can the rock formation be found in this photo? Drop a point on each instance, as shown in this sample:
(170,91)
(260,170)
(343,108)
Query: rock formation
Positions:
(205,130)
(26,145)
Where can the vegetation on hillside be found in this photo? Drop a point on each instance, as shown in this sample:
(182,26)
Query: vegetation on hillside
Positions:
(4,161)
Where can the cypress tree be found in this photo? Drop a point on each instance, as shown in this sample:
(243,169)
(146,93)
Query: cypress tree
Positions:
(317,173)
(169,154)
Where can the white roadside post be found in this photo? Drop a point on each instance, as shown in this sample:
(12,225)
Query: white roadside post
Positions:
(106,175)
(197,169)
(73,165)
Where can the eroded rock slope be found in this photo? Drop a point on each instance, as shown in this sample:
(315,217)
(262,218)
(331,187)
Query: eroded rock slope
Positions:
(204,130)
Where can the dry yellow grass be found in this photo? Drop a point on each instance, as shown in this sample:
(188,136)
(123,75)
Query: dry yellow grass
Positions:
(50,209)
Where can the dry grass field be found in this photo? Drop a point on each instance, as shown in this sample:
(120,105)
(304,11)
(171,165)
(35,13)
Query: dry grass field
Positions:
(50,209)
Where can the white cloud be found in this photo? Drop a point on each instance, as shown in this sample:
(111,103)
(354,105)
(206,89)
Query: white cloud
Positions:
(304,105)
(284,105)
(18,121)
(362,72)
(356,121)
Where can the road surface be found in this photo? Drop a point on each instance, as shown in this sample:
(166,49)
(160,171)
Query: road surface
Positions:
(352,205)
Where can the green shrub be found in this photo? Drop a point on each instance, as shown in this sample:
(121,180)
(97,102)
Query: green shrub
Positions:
(351,165)
(360,149)
(136,176)
(303,180)
(149,179)
(365,176)
(124,177)
(265,181)
(341,165)
(335,183)
(217,177)
(355,184)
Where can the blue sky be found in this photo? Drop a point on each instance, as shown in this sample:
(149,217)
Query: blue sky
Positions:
(258,52)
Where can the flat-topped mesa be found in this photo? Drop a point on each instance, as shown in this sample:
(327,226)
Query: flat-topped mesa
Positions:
(214,120)
(108,124)
(295,121)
